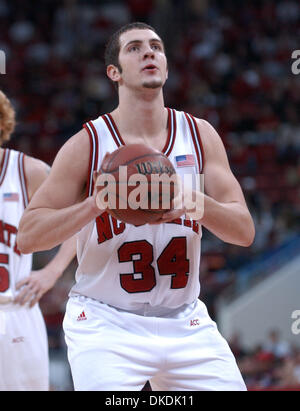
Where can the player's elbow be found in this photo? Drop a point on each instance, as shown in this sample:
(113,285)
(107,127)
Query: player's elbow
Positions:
(23,244)
(248,235)
(25,238)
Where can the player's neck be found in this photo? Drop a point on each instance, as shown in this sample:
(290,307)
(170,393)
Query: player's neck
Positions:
(141,115)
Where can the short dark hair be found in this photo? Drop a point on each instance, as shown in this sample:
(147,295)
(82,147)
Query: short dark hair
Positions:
(112,48)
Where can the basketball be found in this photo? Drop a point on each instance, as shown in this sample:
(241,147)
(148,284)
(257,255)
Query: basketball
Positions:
(141,183)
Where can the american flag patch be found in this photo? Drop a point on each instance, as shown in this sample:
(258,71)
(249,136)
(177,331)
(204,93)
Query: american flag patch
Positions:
(10,197)
(187,160)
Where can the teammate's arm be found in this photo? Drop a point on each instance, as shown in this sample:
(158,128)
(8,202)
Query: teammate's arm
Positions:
(33,287)
(56,211)
(36,172)
(225,212)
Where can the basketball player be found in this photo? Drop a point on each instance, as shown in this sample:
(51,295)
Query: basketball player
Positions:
(134,313)
(23,339)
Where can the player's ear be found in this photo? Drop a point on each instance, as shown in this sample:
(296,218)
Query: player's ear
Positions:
(113,73)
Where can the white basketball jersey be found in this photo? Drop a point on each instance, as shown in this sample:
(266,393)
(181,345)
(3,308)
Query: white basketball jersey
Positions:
(130,267)
(14,266)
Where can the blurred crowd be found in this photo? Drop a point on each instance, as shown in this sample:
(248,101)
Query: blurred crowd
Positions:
(229,63)
(274,364)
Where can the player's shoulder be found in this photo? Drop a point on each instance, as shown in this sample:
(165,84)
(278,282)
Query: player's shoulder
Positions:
(209,135)
(73,159)
(36,171)
(203,125)
(212,143)
(34,165)
(78,141)
(206,132)
(28,163)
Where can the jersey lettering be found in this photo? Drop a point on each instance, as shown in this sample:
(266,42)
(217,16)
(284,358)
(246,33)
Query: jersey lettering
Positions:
(172,261)
(143,277)
(6,231)
(107,226)
(4,274)
(118,226)
(103,228)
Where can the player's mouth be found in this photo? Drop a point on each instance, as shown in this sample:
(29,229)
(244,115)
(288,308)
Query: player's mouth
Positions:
(150,68)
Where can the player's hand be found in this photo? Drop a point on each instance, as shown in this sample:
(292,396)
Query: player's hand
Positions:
(35,286)
(98,188)
(5,300)
(177,210)
(191,206)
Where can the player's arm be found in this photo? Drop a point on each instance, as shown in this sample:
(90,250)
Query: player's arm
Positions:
(224,211)
(36,172)
(32,288)
(38,282)
(57,212)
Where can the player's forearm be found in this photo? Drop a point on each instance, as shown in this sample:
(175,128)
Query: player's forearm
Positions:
(231,222)
(42,229)
(63,257)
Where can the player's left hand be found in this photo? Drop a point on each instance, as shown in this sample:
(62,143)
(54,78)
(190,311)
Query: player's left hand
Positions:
(191,207)
(177,210)
(169,216)
(34,286)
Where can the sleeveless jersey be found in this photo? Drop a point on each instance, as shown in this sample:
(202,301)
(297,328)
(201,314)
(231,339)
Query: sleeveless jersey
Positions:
(14,266)
(129,267)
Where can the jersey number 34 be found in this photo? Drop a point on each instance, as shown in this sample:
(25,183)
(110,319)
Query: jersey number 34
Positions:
(172,261)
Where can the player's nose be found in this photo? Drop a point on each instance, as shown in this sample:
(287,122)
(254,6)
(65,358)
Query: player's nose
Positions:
(148,52)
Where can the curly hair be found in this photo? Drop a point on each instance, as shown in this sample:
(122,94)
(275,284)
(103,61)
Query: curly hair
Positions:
(7,118)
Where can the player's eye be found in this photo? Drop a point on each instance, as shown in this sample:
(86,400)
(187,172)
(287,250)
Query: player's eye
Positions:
(133,48)
(156,47)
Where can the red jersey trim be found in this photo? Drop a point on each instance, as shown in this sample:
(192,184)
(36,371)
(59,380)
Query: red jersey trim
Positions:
(113,129)
(172,128)
(4,164)
(93,161)
(199,140)
(196,140)
(23,181)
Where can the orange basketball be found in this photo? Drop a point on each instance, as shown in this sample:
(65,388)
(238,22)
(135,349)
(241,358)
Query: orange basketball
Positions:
(141,183)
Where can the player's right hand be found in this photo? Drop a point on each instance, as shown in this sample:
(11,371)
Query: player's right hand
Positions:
(99,187)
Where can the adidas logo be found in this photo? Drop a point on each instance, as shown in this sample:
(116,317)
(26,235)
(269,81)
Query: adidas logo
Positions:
(81,317)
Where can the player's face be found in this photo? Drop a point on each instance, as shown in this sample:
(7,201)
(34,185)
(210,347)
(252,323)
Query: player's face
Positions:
(142,59)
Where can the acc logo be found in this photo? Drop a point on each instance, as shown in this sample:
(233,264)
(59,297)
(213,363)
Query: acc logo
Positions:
(194,322)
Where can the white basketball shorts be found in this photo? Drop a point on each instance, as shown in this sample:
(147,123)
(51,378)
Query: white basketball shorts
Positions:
(114,350)
(24,359)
